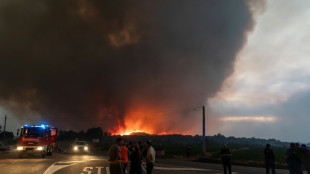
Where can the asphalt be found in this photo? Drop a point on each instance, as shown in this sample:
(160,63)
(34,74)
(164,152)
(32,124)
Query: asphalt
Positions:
(94,163)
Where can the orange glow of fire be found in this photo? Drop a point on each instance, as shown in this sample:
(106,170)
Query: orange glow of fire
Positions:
(143,120)
(134,122)
(131,132)
(133,126)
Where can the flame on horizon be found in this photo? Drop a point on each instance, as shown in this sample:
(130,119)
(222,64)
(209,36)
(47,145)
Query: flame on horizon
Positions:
(144,120)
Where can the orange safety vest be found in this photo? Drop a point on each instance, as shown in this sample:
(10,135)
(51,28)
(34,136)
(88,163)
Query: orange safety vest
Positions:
(124,154)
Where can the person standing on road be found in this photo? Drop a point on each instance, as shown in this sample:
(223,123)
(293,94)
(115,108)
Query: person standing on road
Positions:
(226,158)
(299,158)
(150,157)
(306,158)
(188,151)
(124,156)
(136,160)
(291,159)
(269,159)
(115,157)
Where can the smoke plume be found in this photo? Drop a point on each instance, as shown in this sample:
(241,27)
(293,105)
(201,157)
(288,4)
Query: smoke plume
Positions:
(132,64)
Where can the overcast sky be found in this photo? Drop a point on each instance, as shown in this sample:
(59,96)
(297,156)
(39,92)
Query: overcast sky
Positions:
(271,81)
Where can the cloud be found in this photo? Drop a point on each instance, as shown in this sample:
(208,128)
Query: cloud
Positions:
(274,64)
(271,75)
(246,118)
(82,63)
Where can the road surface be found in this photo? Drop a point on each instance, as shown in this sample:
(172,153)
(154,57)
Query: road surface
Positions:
(92,163)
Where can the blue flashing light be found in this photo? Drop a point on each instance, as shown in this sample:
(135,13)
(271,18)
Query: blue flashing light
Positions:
(43,126)
(25,125)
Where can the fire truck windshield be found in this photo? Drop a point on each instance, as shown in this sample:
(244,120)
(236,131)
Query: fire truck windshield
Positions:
(32,132)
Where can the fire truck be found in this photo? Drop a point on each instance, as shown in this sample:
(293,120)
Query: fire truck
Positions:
(37,139)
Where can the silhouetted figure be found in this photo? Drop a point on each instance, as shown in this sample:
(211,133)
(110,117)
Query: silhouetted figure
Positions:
(269,159)
(299,158)
(136,160)
(130,146)
(143,151)
(115,157)
(292,159)
(188,151)
(150,157)
(226,158)
(140,145)
(306,158)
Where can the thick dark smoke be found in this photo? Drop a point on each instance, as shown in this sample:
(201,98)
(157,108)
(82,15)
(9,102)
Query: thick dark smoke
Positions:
(83,63)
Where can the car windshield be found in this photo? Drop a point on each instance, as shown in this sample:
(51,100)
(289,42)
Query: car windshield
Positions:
(80,143)
(33,132)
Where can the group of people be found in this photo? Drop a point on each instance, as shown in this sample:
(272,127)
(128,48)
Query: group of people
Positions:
(297,158)
(120,153)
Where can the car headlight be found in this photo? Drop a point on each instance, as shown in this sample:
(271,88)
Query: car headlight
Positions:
(75,148)
(40,148)
(86,148)
(19,148)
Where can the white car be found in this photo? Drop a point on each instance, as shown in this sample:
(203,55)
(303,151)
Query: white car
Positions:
(80,146)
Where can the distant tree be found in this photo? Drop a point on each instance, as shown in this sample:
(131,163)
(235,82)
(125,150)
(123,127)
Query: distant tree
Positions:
(8,135)
(107,134)
(81,135)
(94,133)
(67,135)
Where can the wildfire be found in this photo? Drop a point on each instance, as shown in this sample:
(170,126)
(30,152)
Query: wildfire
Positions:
(142,121)
(132,132)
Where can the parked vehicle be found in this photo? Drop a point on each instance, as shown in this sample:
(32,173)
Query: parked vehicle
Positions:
(37,139)
(80,146)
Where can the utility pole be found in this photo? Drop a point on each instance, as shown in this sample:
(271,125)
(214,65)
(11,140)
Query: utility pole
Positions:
(203,131)
(4,129)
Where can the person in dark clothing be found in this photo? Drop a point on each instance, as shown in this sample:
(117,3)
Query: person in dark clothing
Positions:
(226,157)
(130,146)
(306,158)
(292,159)
(136,160)
(141,147)
(188,151)
(269,159)
(115,158)
(299,155)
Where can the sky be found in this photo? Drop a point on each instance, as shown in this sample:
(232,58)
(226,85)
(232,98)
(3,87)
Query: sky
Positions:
(151,66)
(268,93)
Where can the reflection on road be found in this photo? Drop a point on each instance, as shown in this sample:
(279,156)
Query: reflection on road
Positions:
(97,163)
(63,164)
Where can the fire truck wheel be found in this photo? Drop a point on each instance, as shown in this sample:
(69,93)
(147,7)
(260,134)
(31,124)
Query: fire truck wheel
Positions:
(43,154)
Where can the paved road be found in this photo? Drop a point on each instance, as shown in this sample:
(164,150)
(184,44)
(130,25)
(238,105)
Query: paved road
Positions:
(98,164)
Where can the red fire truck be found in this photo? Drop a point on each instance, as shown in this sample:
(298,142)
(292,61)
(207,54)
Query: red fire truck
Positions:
(37,139)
